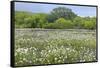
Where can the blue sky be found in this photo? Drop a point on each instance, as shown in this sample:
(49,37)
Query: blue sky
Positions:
(46,8)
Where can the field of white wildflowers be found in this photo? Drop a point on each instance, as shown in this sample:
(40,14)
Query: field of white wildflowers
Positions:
(54,46)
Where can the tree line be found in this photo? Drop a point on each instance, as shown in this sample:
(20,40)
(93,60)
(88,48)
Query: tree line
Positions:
(58,18)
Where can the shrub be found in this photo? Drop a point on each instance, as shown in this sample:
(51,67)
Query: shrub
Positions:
(60,23)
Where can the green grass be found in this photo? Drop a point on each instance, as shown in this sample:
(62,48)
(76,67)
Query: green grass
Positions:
(35,47)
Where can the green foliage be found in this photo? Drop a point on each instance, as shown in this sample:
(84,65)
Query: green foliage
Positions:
(38,20)
(20,18)
(78,22)
(61,12)
(64,23)
(58,18)
(60,23)
(27,20)
(89,23)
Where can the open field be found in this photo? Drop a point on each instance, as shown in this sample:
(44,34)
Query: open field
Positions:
(54,46)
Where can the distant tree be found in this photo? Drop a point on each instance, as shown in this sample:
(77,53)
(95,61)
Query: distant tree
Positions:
(61,12)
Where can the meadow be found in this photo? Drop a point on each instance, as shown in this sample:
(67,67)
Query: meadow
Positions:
(54,46)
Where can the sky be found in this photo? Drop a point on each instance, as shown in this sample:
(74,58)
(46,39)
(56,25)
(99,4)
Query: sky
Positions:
(47,8)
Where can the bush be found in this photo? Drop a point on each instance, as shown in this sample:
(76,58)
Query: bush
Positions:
(40,20)
(89,25)
(60,23)
(29,20)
